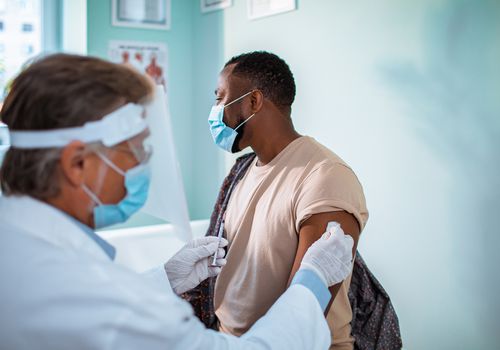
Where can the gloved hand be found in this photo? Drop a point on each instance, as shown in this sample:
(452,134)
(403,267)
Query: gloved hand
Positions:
(192,264)
(330,257)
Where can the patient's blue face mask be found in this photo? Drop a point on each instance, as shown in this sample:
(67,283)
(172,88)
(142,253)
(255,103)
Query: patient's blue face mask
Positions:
(137,181)
(222,134)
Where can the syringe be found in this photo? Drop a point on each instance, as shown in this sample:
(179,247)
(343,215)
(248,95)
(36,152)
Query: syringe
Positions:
(219,236)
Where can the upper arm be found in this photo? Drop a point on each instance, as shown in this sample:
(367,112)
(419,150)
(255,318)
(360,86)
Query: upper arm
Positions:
(312,229)
(330,193)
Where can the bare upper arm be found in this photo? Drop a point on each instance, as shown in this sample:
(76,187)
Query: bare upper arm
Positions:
(312,229)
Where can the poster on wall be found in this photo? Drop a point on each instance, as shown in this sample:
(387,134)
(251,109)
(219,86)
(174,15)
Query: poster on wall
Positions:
(149,58)
(146,14)
(213,5)
(263,8)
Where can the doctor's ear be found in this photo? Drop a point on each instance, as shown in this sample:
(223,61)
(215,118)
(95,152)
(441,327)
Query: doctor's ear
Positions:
(72,163)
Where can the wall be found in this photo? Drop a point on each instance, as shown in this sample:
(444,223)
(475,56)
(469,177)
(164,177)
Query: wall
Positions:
(407,93)
(74,26)
(208,58)
(52,20)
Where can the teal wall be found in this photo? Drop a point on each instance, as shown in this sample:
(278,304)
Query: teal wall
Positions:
(194,57)
(208,58)
(52,20)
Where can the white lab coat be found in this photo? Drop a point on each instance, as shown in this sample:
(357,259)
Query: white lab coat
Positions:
(60,291)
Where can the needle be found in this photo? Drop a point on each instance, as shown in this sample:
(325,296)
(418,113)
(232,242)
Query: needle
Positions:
(219,236)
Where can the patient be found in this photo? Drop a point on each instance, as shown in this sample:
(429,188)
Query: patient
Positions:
(288,191)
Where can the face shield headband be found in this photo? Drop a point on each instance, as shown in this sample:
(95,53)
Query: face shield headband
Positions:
(118,126)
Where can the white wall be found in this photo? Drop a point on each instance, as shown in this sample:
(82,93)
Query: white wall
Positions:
(74,26)
(143,248)
(407,93)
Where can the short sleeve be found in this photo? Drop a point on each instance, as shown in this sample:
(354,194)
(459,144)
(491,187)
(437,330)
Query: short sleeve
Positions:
(330,187)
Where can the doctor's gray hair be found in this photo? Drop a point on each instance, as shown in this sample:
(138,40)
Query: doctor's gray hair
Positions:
(60,91)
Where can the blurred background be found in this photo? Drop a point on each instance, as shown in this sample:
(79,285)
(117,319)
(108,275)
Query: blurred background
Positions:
(407,93)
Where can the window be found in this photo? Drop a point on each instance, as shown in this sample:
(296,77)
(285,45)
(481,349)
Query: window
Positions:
(20,37)
(4,140)
(27,27)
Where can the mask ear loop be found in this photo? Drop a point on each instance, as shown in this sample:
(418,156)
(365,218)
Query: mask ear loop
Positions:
(110,163)
(242,123)
(239,98)
(88,191)
(91,195)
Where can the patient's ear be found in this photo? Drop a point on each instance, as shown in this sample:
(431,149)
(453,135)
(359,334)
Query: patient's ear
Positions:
(256,100)
(71,163)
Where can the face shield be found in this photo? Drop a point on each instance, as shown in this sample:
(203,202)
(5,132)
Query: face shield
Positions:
(132,123)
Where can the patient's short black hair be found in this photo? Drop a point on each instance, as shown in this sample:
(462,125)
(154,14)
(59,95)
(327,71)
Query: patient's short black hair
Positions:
(268,73)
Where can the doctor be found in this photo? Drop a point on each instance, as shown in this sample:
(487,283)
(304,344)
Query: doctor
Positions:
(79,161)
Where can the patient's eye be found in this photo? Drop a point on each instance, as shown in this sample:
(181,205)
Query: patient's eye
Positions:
(219,94)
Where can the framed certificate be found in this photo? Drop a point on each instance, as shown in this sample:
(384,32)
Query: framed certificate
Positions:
(147,14)
(264,8)
(213,5)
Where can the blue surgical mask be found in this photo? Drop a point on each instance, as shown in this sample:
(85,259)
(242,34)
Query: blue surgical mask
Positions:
(137,182)
(222,134)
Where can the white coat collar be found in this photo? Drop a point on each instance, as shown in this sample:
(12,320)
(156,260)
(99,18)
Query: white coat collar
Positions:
(41,220)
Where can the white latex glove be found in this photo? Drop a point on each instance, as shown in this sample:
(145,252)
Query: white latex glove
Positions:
(330,257)
(192,264)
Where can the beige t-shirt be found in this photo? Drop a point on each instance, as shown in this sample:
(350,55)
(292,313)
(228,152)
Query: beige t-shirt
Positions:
(262,223)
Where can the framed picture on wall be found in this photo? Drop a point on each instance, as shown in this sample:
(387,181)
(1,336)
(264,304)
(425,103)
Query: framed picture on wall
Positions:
(146,14)
(213,5)
(263,8)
